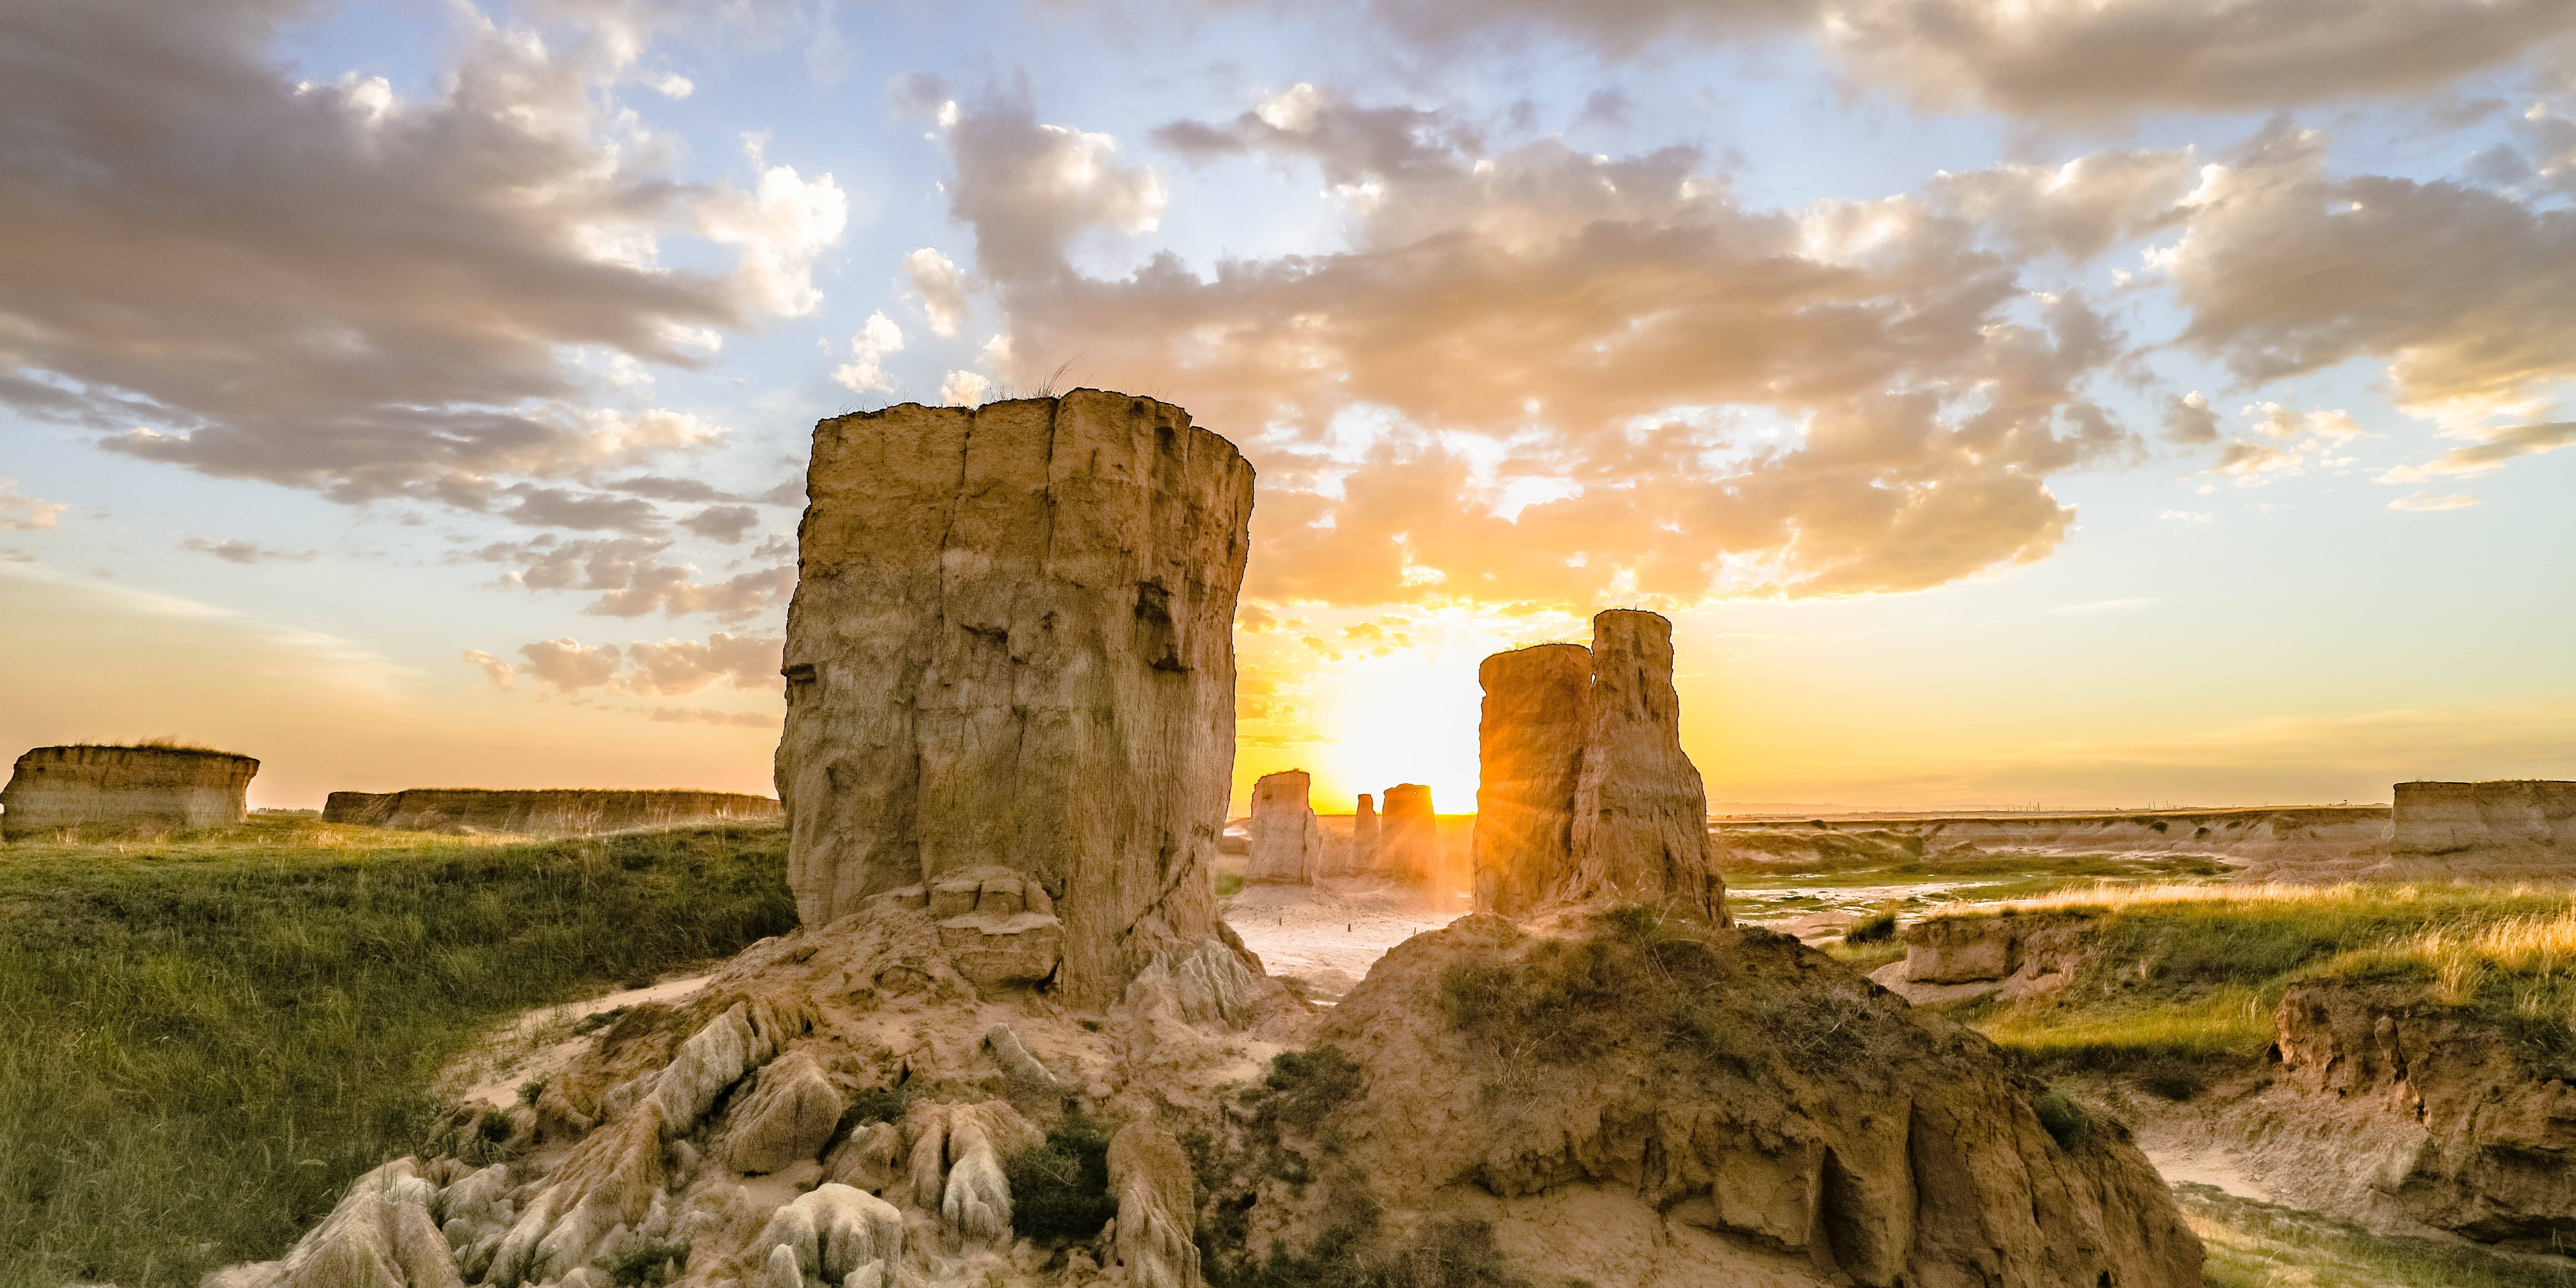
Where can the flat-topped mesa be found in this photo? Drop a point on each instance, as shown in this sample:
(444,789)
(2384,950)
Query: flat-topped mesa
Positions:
(1287,843)
(1011,643)
(1585,795)
(1538,707)
(53,790)
(1408,839)
(2521,823)
(562,811)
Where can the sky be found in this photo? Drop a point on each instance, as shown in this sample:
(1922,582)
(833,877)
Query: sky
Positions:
(2043,403)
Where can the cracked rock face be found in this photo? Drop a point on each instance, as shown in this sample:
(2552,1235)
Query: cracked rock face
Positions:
(1287,843)
(151,788)
(1585,795)
(1011,643)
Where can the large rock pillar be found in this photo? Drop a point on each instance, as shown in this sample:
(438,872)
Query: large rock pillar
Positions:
(1584,793)
(1640,810)
(1011,644)
(1364,836)
(1537,712)
(1408,842)
(1287,843)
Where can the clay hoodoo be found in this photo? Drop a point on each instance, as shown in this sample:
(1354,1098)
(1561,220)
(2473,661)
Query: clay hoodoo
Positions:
(1360,856)
(55,789)
(543,812)
(1287,843)
(1590,796)
(1408,838)
(1011,643)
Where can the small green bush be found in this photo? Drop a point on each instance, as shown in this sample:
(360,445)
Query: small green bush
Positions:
(1060,1189)
(2067,1122)
(1874,929)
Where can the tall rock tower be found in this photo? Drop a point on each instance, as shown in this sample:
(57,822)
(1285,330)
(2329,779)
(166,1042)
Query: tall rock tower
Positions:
(1585,794)
(1287,843)
(1012,644)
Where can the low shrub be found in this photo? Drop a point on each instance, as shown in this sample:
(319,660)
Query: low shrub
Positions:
(1060,1189)
(1877,928)
(2068,1123)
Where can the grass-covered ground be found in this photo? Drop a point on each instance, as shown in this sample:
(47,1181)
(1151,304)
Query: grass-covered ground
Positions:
(1782,875)
(2192,973)
(2259,1245)
(202,1040)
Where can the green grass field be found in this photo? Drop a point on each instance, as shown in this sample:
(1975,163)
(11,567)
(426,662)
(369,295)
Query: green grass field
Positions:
(203,1040)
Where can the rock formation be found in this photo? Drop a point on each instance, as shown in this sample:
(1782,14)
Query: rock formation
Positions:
(1352,851)
(1590,797)
(1011,643)
(2525,825)
(158,789)
(1408,839)
(1287,843)
(1721,1106)
(543,812)
(1538,710)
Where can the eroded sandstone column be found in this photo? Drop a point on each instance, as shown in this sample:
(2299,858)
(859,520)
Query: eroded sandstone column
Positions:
(1584,794)
(1537,712)
(1364,837)
(1287,843)
(1011,644)
(1408,843)
(1640,810)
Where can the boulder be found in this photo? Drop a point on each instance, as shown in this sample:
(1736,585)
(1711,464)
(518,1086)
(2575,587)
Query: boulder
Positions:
(1287,844)
(543,812)
(792,1110)
(1408,846)
(1011,642)
(1640,811)
(1584,793)
(1537,712)
(154,789)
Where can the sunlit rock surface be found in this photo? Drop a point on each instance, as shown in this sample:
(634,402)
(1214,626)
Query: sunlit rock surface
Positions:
(124,788)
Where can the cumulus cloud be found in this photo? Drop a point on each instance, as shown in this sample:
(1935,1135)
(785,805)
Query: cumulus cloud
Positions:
(566,666)
(2189,420)
(964,389)
(1705,398)
(25,513)
(2467,297)
(1028,188)
(631,580)
(327,285)
(2331,426)
(2429,501)
(2496,446)
(726,523)
(2070,58)
(675,667)
(494,669)
(246,552)
(865,371)
(942,289)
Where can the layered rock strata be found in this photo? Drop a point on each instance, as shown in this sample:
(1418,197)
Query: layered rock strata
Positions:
(1011,643)
(1287,843)
(543,812)
(1408,838)
(1585,795)
(2528,825)
(53,790)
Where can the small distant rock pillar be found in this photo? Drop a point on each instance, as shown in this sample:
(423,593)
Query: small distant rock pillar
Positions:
(124,788)
(1537,713)
(1408,838)
(1364,836)
(1012,643)
(1584,793)
(1287,843)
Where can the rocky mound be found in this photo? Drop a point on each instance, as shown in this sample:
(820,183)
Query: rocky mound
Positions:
(543,812)
(2514,827)
(2311,844)
(1666,1101)
(161,789)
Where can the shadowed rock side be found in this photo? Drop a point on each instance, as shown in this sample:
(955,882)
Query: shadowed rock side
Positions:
(1011,643)
(2510,827)
(543,812)
(1287,845)
(1680,1103)
(1408,837)
(1537,710)
(124,788)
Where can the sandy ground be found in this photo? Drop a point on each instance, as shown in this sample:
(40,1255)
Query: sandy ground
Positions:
(1330,934)
(542,1041)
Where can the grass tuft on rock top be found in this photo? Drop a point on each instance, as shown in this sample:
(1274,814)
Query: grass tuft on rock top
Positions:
(2186,978)
(207,1037)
